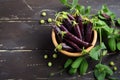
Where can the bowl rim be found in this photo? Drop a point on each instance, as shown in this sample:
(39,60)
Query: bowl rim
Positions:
(74,54)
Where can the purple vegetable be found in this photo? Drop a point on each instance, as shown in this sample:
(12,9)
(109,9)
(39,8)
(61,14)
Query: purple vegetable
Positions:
(79,21)
(62,28)
(76,29)
(88,32)
(75,39)
(66,47)
(70,17)
(57,32)
(73,45)
(56,29)
(68,24)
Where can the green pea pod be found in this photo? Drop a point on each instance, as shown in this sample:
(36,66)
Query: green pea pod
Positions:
(118,45)
(68,63)
(83,66)
(112,44)
(72,70)
(77,62)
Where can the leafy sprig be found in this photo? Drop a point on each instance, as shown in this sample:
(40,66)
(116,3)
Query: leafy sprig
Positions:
(105,20)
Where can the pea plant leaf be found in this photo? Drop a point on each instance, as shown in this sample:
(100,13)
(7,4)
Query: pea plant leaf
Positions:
(101,71)
(118,20)
(99,24)
(95,52)
(65,2)
(74,4)
(99,75)
(106,10)
(87,11)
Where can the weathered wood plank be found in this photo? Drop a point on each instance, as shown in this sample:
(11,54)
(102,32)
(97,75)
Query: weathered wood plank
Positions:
(27,9)
(25,36)
(32,66)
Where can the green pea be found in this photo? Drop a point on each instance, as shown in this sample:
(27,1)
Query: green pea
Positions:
(115,68)
(43,14)
(45,56)
(42,21)
(54,55)
(49,64)
(112,63)
(49,20)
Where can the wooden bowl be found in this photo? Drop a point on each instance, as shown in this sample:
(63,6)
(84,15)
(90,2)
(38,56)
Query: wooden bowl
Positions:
(74,54)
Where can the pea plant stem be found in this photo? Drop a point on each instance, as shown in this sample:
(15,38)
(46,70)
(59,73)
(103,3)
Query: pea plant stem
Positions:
(101,57)
(100,35)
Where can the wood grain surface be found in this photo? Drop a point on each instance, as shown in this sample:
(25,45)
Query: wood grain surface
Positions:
(23,41)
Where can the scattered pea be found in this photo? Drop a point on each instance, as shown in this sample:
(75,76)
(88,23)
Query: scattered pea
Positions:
(49,20)
(49,64)
(43,14)
(42,21)
(112,63)
(115,68)
(54,55)
(45,56)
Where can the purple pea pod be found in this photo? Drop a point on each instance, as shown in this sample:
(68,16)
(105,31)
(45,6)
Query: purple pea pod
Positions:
(66,47)
(57,32)
(79,21)
(76,40)
(70,17)
(88,32)
(68,24)
(63,28)
(56,29)
(73,45)
(76,29)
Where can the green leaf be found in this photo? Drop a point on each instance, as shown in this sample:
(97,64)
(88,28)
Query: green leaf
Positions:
(118,20)
(83,66)
(101,71)
(99,24)
(105,68)
(68,63)
(87,11)
(64,2)
(77,62)
(72,70)
(106,10)
(95,52)
(81,9)
(99,75)
(74,4)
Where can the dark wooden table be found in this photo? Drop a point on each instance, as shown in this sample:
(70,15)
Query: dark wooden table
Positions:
(23,41)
